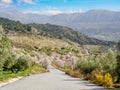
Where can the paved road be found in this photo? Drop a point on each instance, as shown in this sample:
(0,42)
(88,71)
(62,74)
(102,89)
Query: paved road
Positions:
(54,80)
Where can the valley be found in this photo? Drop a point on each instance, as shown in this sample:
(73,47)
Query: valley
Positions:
(32,48)
(98,23)
(59,44)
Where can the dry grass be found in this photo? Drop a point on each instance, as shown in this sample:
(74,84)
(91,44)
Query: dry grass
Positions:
(39,70)
(72,73)
(28,40)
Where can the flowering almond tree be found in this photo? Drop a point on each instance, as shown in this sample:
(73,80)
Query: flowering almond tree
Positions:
(46,62)
(73,61)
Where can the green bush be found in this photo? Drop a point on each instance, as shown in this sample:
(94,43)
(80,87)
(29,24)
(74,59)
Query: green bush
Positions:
(118,68)
(22,63)
(87,65)
(63,50)
(118,46)
(118,62)
(9,62)
(5,51)
(65,66)
(104,61)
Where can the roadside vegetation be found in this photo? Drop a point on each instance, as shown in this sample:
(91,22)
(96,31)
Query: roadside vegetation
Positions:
(90,62)
(100,68)
(26,49)
(13,66)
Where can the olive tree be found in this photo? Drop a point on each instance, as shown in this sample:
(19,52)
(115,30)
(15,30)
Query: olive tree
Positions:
(5,48)
(22,63)
(118,62)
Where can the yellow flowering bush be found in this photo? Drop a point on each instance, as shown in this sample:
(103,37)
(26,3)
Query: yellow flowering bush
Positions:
(105,80)
(100,77)
(96,73)
(108,82)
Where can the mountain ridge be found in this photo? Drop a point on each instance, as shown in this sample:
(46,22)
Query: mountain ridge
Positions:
(94,23)
(53,31)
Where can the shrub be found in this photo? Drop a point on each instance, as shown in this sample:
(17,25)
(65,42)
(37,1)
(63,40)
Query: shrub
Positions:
(77,74)
(104,61)
(118,46)
(118,62)
(118,68)
(99,79)
(68,71)
(105,80)
(108,82)
(9,62)
(6,54)
(62,50)
(87,65)
(65,66)
(102,78)
(92,75)
(72,73)
(21,63)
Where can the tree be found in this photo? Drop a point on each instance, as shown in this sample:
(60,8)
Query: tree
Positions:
(21,63)
(118,68)
(110,54)
(5,48)
(73,61)
(1,35)
(46,62)
(9,62)
(118,62)
(118,46)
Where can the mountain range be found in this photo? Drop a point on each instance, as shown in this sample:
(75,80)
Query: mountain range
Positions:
(53,31)
(101,24)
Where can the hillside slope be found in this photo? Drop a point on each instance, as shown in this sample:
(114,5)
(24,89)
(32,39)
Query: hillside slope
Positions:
(101,24)
(67,33)
(49,30)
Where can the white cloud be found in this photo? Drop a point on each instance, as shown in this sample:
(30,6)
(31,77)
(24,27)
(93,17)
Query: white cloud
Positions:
(51,12)
(75,11)
(26,1)
(45,12)
(48,10)
(31,11)
(5,3)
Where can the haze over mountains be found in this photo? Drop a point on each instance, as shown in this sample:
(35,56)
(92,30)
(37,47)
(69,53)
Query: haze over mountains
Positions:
(101,24)
(52,31)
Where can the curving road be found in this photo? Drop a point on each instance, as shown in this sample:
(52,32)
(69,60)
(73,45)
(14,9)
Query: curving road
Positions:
(54,80)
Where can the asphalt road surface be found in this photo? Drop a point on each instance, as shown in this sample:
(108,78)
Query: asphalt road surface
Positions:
(54,80)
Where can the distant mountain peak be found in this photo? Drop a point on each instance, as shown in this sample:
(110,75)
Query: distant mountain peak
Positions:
(98,22)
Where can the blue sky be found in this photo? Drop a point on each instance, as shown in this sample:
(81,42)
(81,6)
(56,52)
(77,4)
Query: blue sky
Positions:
(51,7)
